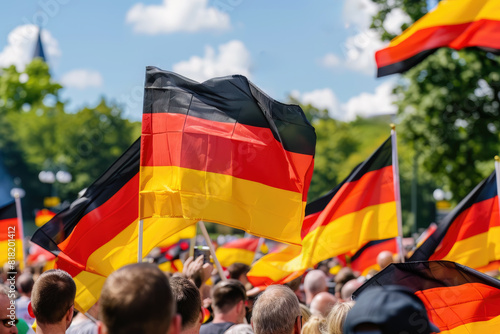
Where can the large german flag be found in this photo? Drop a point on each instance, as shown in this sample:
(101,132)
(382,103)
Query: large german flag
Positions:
(455,24)
(359,210)
(98,233)
(458,299)
(11,242)
(469,234)
(223,151)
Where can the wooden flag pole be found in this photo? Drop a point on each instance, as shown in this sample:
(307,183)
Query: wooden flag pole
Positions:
(139,239)
(497,172)
(192,243)
(397,195)
(18,193)
(212,250)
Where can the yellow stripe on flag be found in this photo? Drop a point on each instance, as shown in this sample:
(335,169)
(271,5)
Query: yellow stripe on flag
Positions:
(228,256)
(490,326)
(472,252)
(181,192)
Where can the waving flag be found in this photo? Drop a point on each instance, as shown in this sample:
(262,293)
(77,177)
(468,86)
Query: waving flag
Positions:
(98,233)
(366,257)
(11,243)
(241,250)
(359,210)
(469,234)
(455,24)
(223,151)
(458,299)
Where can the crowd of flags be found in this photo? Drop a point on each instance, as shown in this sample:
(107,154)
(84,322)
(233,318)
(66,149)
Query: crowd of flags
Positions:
(225,152)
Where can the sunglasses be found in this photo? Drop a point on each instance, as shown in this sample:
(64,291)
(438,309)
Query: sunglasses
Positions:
(9,322)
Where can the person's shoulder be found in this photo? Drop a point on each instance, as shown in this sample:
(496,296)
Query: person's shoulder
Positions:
(212,328)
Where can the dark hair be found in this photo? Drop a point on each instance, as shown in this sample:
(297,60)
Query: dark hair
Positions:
(226,294)
(237,269)
(25,283)
(52,296)
(188,300)
(137,299)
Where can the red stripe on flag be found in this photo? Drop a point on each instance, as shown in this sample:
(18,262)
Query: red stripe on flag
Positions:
(234,149)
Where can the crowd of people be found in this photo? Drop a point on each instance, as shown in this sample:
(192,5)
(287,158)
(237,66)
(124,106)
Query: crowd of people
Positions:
(140,298)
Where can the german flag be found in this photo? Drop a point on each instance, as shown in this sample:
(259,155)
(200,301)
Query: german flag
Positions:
(98,233)
(365,258)
(11,243)
(43,216)
(455,24)
(470,233)
(359,210)
(241,250)
(458,299)
(225,152)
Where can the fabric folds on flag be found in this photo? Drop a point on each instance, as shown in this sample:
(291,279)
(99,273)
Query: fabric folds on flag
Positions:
(458,299)
(241,250)
(11,243)
(470,233)
(225,152)
(98,233)
(360,209)
(455,24)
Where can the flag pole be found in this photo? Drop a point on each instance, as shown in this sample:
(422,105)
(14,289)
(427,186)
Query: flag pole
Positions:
(192,243)
(18,193)
(497,172)
(259,245)
(139,239)
(212,250)
(397,195)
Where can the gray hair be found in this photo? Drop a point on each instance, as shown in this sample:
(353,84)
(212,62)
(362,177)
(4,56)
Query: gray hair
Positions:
(275,311)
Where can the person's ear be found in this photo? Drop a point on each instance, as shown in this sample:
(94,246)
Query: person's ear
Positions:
(30,310)
(101,328)
(175,324)
(69,315)
(297,327)
(202,315)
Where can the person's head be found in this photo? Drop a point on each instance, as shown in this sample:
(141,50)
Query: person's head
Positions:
(336,317)
(137,298)
(314,283)
(315,325)
(322,303)
(277,311)
(7,317)
(388,310)
(187,297)
(384,258)
(239,271)
(24,283)
(343,276)
(349,288)
(228,298)
(52,298)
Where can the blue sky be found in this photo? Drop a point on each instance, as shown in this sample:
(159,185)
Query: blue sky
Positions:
(320,50)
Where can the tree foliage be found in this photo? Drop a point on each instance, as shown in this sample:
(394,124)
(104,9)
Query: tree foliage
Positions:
(449,110)
(36,133)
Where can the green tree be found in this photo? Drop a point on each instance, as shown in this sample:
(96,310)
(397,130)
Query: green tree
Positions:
(448,109)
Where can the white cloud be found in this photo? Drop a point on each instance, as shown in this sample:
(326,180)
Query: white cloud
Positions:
(365,104)
(174,16)
(21,45)
(232,58)
(82,79)
(321,99)
(359,13)
(394,20)
(331,60)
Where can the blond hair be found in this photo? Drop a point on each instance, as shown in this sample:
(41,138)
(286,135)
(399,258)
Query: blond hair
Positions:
(336,317)
(315,325)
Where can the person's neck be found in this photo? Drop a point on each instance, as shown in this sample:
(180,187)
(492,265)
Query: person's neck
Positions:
(225,317)
(191,330)
(51,328)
